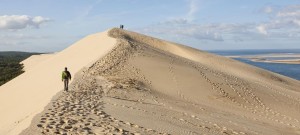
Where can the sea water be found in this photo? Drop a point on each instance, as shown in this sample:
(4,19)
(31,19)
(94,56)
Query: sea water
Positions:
(290,70)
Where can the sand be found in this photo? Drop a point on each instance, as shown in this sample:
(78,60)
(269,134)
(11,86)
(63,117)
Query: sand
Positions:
(287,61)
(34,60)
(285,58)
(149,86)
(28,94)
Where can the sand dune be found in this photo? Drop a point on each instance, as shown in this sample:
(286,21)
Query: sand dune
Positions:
(149,86)
(28,94)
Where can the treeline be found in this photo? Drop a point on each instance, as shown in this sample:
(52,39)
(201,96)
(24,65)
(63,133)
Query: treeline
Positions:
(10,66)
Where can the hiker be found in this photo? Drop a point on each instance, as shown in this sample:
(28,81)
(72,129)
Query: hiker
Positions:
(121,26)
(65,77)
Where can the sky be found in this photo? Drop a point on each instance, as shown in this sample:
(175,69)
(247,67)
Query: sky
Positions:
(53,25)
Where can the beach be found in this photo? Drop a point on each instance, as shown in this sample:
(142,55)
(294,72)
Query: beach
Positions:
(284,58)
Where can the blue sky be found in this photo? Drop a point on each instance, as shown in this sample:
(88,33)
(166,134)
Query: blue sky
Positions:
(52,25)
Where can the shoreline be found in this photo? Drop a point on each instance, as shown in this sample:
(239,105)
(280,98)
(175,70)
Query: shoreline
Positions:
(290,58)
(287,61)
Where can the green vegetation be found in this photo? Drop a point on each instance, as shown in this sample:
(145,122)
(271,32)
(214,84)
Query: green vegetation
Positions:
(10,66)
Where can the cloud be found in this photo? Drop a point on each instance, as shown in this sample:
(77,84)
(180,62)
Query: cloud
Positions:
(189,16)
(87,11)
(15,22)
(211,32)
(218,32)
(262,29)
(193,9)
(268,9)
(290,11)
(282,23)
(20,36)
(176,21)
(287,19)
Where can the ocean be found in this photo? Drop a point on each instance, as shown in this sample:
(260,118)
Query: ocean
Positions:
(290,70)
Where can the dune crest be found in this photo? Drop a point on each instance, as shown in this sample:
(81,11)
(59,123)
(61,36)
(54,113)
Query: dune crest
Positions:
(145,85)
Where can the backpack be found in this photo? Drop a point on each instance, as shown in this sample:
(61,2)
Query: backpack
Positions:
(65,75)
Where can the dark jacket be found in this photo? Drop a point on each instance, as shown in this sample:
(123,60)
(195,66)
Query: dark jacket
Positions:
(66,75)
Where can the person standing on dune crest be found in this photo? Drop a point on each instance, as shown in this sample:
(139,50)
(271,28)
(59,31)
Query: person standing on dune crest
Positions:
(65,77)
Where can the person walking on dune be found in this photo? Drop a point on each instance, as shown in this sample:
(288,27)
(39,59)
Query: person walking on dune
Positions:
(65,77)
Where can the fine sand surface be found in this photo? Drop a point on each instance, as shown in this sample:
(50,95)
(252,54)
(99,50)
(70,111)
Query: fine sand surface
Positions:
(150,86)
(34,60)
(27,95)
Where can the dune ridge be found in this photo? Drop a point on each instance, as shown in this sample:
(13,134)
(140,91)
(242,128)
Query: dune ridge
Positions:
(149,86)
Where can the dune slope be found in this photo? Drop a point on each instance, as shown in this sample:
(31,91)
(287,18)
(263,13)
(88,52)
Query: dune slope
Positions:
(25,96)
(149,86)
(34,60)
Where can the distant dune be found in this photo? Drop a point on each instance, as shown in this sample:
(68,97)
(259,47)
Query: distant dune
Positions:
(131,83)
